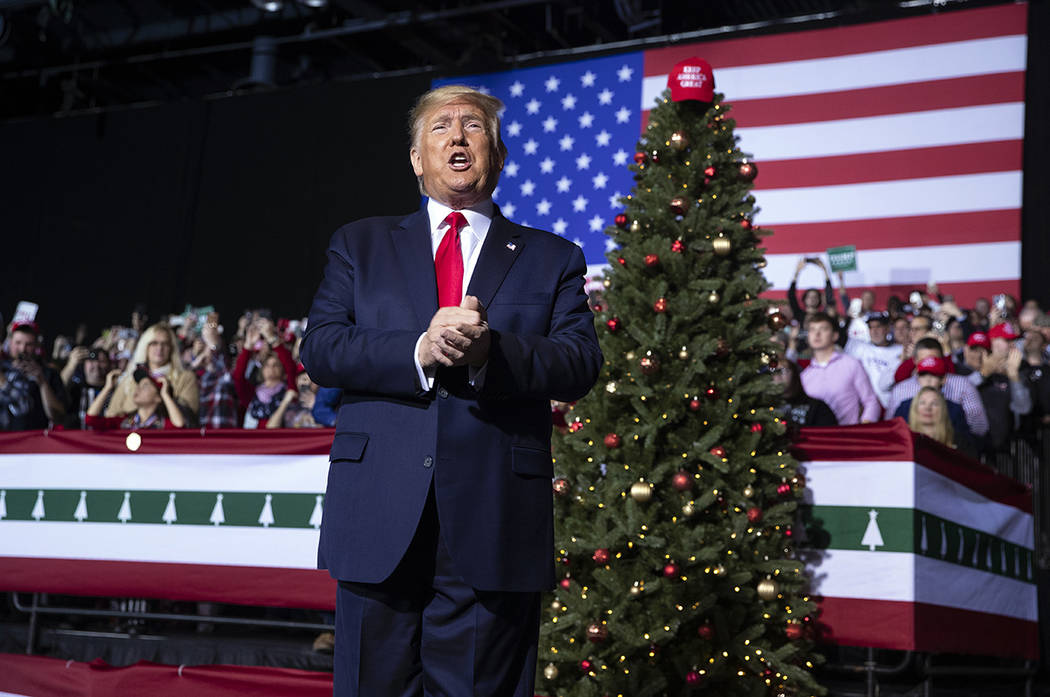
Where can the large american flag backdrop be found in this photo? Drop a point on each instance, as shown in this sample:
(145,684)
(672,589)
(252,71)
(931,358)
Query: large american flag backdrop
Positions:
(903,138)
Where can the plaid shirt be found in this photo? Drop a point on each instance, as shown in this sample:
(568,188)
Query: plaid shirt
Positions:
(16,399)
(956,389)
(219,403)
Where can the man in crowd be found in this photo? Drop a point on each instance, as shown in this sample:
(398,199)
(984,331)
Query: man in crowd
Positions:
(836,378)
(15,398)
(1004,392)
(878,355)
(956,389)
(48,396)
(84,377)
(450,331)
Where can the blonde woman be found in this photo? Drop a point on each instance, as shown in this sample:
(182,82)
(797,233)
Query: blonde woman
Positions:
(156,352)
(929,415)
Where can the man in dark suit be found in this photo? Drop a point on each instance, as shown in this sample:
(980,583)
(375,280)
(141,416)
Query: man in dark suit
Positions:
(449,331)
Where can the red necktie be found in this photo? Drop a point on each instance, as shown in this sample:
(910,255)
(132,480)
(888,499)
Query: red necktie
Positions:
(448,263)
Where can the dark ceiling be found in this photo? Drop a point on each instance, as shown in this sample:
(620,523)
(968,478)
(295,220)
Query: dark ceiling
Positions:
(67,56)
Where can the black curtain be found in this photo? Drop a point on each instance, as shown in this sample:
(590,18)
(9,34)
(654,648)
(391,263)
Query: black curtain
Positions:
(228,202)
(1035,218)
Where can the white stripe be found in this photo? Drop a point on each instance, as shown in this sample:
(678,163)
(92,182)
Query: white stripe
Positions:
(13,694)
(909,578)
(919,129)
(960,193)
(263,473)
(949,499)
(895,484)
(861,70)
(912,266)
(186,544)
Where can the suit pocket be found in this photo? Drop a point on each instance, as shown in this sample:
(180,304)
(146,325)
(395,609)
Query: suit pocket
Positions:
(523,299)
(348,446)
(531,462)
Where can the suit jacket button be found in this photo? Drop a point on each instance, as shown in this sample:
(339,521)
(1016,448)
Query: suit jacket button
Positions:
(443,393)
(428,461)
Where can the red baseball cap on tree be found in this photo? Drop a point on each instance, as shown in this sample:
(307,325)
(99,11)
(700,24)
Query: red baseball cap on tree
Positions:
(692,79)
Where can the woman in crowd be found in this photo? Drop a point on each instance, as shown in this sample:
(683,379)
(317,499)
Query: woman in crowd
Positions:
(157,353)
(154,404)
(260,402)
(799,408)
(928,415)
(296,407)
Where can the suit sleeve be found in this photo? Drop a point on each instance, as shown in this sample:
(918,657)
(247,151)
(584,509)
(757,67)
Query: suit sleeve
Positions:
(338,353)
(561,365)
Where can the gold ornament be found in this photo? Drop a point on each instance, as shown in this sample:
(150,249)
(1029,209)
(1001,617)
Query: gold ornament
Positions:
(636,226)
(550,671)
(684,353)
(635,590)
(606,282)
(641,491)
(718,570)
(556,605)
(768,589)
(721,245)
(679,141)
(776,319)
(748,491)
(688,510)
(610,387)
(713,297)
(629,355)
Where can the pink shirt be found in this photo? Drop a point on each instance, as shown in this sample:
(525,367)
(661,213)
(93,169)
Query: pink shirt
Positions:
(843,383)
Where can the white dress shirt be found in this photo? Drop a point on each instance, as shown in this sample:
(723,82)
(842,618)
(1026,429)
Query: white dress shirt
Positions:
(471,239)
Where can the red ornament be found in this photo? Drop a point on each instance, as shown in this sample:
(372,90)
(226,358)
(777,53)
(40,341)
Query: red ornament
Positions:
(621,261)
(682,481)
(711,393)
(600,556)
(654,155)
(694,404)
(748,171)
(651,260)
(793,631)
(585,665)
(706,631)
(783,488)
(649,365)
(613,440)
(746,224)
(709,171)
(575,426)
(565,583)
(613,324)
(787,532)
(756,428)
(677,246)
(692,678)
(640,158)
(678,205)
(620,220)
(564,560)
(660,306)
(561,486)
(671,570)
(718,451)
(597,632)
(754,514)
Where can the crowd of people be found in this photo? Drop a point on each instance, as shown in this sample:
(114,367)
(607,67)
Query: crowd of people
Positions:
(973,378)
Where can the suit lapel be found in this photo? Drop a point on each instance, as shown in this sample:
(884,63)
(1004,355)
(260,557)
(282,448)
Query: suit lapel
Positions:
(503,245)
(411,240)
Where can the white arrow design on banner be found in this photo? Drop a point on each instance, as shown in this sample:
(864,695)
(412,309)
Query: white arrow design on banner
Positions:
(38,507)
(266,516)
(3,503)
(944,542)
(315,517)
(81,513)
(169,511)
(923,542)
(218,516)
(124,515)
(872,535)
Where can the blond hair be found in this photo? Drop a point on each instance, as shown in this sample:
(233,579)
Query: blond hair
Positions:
(490,107)
(942,431)
(140,357)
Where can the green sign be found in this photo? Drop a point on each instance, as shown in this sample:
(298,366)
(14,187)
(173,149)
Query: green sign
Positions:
(843,258)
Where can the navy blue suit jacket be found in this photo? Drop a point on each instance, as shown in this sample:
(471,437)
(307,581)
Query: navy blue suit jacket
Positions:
(487,452)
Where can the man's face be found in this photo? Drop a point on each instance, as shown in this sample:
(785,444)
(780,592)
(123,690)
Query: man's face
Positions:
(95,370)
(1001,346)
(23,344)
(1033,341)
(901,333)
(981,307)
(929,380)
(821,335)
(973,356)
(919,327)
(455,156)
(878,331)
(867,301)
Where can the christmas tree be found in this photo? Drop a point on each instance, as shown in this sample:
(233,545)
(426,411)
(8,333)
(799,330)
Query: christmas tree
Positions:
(675,494)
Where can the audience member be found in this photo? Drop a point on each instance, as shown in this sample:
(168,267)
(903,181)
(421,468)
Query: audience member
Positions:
(48,397)
(296,407)
(931,372)
(157,353)
(84,382)
(16,399)
(1003,390)
(878,355)
(799,409)
(219,403)
(928,415)
(154,405)
(837,378)
(259,402)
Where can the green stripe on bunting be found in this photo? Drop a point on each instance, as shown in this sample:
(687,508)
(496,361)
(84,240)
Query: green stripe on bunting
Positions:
(914,532)
(252,509)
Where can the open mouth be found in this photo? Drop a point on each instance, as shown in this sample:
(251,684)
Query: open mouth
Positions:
(459,162)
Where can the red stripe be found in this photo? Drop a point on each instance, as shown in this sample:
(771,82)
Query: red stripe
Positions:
(888,233)
(964,293)
(213,441)
(39,676)
(240,585)
(998,88)
(962,25)
(892,440)
(891,165)
(907,626)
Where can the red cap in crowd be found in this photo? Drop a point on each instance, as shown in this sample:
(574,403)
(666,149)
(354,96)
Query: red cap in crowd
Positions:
(1005,330)
(980,339)
(692,79)
(931,365)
